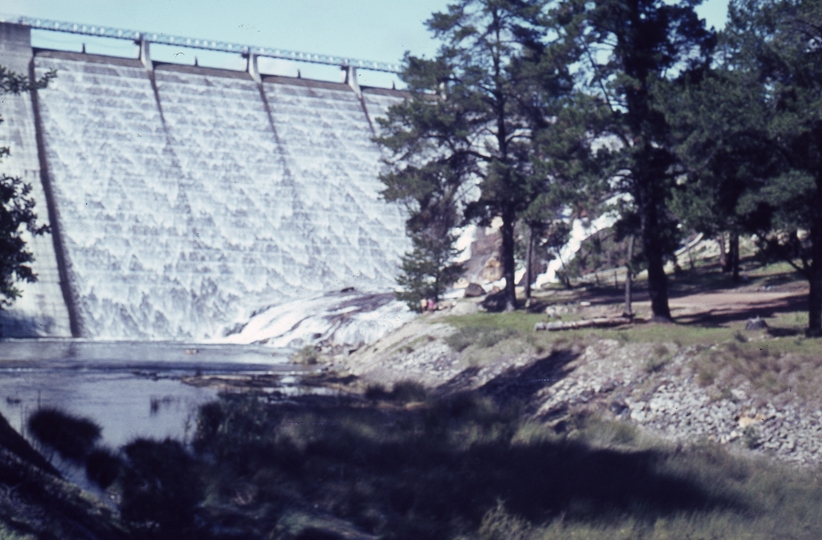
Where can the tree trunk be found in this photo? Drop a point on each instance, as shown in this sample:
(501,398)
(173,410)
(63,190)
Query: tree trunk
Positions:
(690,256)
(529,254)
(815,277)
(629,278)
(723,257)
(507,233)
(652,246)
(733,255)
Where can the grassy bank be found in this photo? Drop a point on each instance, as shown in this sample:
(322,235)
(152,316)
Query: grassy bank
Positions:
(409,465)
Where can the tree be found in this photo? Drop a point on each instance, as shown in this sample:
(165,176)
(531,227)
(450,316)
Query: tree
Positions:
(429,269)
(430,194)
(631,45)
(467,131)
(778,44)
(720,127)
(16,208)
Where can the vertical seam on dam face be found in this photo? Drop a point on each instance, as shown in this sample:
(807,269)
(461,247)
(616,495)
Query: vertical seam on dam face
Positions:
(153,78)
(361,97)
(75,324)
(267,107)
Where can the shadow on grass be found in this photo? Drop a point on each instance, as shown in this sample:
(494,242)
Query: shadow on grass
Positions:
(764,310)
(428,471)
(521,384)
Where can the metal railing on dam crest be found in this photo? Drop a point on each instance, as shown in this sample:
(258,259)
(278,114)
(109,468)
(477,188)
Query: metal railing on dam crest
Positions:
(196,43)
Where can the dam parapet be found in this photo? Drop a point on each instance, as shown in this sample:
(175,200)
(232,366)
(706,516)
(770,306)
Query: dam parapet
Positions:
(187,198)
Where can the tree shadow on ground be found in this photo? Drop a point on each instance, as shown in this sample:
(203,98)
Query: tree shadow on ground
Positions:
(765,309)
(521,384)
(431,470)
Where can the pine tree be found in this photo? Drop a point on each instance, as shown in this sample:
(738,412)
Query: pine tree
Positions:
(719,120)
(629,47)
(467,133)
(429,269)
(778,43)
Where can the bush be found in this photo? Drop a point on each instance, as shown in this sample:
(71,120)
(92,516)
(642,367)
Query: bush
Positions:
(307,355)
(102,467)
(161,487)
(71,436)
(402,392)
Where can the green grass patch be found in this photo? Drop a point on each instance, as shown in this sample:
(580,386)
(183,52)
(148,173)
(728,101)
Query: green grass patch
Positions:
(520,320)
(483,337)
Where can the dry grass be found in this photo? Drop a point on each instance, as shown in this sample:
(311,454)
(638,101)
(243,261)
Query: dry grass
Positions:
(467,467)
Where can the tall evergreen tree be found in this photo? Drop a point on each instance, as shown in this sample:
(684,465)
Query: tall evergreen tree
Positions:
(720,127)
(629,46)
(16,209)
(779,43)
(472,112)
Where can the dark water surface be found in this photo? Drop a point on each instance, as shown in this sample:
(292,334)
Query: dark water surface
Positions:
(132,389)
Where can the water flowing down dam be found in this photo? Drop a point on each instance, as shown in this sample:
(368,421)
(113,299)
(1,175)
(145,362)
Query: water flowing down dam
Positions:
(184,200)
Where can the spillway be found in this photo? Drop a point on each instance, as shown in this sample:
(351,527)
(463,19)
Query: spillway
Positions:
(188,199)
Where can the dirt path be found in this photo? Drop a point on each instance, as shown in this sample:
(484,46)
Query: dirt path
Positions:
(729,306)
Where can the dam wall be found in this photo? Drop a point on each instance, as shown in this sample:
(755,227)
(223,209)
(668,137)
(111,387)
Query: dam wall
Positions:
(186,199)
(41,309)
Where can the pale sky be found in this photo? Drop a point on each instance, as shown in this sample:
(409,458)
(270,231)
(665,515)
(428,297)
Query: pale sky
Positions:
(380,30)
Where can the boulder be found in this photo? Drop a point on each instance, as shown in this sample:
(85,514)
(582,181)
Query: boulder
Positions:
(464,308)
(493,270)
(473,290)
(494,302)
(756,324)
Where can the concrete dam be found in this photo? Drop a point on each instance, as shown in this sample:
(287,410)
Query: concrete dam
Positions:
(183,199)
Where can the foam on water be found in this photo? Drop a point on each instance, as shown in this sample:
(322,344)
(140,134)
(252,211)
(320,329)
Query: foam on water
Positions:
(181,221)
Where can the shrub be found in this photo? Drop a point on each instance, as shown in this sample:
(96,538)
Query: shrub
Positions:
(307,355)
(102,467)
(402,392)
(160,485)
(71,436)
(375,391)
(408,392)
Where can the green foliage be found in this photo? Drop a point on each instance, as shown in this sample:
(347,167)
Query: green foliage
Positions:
(102,467)
(16,208)
(600,251)
(465,467)
(466,143)
(307,355)
(749,131)
(428,270)
(629,47)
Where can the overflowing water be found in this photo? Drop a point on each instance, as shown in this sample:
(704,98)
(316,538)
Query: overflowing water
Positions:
(189,203)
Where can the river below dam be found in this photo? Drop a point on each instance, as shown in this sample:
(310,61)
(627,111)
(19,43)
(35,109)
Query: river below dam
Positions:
(131,389)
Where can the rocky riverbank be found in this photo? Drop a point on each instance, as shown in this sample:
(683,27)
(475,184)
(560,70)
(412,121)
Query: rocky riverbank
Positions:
(742,391)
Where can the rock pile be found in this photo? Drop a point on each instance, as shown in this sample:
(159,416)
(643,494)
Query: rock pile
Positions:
(654,386)
(637,383)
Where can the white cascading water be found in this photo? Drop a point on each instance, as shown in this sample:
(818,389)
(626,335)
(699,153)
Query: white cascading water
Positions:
(182,226)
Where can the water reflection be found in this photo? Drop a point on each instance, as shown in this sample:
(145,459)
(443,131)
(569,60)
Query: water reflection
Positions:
(130,388)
